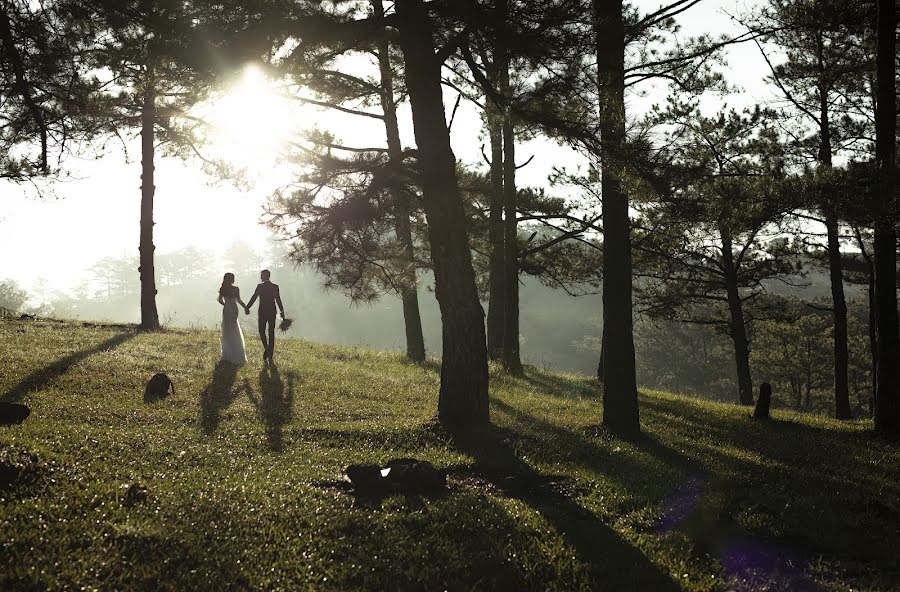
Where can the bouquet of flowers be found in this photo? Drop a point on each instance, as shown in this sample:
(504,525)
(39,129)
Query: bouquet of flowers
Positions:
(285,325)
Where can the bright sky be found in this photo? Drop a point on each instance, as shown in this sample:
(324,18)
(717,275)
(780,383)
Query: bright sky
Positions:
(96,214)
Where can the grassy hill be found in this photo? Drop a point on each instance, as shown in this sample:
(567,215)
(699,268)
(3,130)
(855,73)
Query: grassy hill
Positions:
(235,481)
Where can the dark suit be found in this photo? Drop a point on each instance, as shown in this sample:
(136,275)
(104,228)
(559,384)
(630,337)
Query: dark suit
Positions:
(269,296)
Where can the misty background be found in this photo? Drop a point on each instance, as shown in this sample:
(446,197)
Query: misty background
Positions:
(558,331)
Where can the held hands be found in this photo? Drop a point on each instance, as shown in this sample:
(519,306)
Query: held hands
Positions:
(246,310)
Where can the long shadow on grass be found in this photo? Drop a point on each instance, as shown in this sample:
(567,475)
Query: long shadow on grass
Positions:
(42,377)
(275,405)
(776,440)
(581,450)
(708,523)
(561,387)
(217,396)
(615,564)
(160,562)
(795,475)
(467,541)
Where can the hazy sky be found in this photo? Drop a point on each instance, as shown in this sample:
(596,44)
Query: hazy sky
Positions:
(96,214)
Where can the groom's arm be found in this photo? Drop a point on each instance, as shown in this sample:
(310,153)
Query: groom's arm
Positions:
(254,297)
(278,300)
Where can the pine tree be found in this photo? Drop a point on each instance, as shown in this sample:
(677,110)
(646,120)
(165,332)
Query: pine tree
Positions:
(44,87)
(347,241)
(525,79)
(620,406)
(162,59)
(711,239)
(463,397)
(826,52)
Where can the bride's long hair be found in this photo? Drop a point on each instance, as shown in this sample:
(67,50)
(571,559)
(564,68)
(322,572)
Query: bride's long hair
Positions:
(227,284)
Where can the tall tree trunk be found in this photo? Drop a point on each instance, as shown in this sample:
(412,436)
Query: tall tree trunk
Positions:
(412,319)
(887,398)
(836,274)
(149,314)
(600,368)
(808,381)
(873,342)
(839,305)
(737,328)
(511,359)
(873,332)
(463,401)
(497,279)
(620,404)
(873,337)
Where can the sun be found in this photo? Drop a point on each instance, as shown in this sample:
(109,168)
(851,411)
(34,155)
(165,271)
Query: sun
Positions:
(251,121)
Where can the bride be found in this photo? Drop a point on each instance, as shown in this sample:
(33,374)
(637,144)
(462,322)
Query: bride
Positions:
(232,337)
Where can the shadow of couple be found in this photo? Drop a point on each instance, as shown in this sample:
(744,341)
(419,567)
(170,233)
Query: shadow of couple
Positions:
(273,400)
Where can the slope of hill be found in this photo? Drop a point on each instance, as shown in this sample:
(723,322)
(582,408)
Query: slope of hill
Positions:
(234,482)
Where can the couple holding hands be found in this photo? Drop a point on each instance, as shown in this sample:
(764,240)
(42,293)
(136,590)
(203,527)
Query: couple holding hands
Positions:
(232,336)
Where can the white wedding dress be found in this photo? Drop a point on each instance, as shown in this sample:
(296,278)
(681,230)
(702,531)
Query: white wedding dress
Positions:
(232,336)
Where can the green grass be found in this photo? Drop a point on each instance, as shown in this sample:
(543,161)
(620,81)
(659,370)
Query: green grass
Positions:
(242,473)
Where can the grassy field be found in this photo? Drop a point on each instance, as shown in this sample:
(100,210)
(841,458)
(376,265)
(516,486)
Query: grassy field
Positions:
(235,482)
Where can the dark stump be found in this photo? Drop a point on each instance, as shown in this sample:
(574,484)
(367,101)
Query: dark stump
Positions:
(764,401)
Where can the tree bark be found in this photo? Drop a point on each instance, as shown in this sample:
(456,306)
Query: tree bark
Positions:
(870,292)
(412,319)
(463,400)
(887,397)
(600,368)
(836,274)
(149,314)
(511,358)
(839,305)
(873,338)
(497,279)
(620,404)
(737,328)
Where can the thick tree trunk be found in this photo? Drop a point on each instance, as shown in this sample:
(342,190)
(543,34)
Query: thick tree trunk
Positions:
(463,401)
(887,398)
(149,314)
(620,404)
(873,338)
(412,319)
(887,395)
(497,279)
(737,328)
(511,359)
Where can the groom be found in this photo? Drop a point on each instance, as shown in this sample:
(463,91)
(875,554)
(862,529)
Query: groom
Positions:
(269,296)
